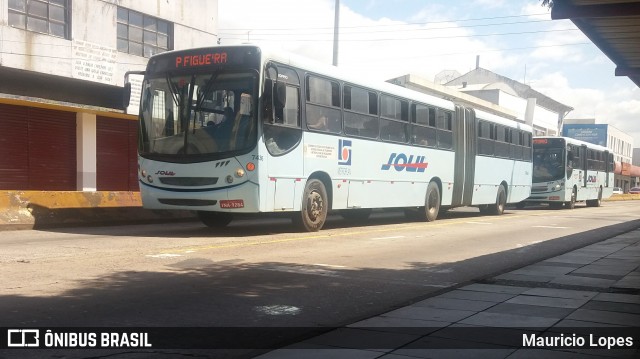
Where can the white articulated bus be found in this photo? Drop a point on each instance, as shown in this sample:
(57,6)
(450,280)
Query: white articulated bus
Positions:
(238,129)
(566,171)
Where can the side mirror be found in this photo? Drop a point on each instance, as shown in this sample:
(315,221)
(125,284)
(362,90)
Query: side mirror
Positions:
(126,96)
(280,98)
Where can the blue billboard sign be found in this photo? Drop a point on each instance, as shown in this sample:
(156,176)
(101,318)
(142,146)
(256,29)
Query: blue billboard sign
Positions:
(596,134)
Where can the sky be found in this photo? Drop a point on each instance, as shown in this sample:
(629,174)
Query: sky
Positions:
(383,39)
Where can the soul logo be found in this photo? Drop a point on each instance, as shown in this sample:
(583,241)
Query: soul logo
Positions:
(401,162)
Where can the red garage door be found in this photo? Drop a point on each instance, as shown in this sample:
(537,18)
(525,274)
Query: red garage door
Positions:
(117,157)
(38,149)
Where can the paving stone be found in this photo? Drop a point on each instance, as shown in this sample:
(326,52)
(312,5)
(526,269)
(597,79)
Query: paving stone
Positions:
(561,293)
(451,353)
(613,307)
(600,269)
(532,310)
(525,278)
(319,353)
(570,323)
(600,316)
(618,298)
(504,320)
(424,313)
(450,303)
(355,338)
(560,264)
(494,288)
(548,354)
(400,325)
(548,301)
(542,270)
(574,259)
(584,281)
(473,295)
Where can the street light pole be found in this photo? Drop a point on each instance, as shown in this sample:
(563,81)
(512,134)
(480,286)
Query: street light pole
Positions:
(336,25)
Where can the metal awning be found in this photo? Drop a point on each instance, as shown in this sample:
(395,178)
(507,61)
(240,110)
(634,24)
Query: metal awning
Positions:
(612,25)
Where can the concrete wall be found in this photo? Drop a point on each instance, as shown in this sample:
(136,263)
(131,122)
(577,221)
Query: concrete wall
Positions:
(94,22)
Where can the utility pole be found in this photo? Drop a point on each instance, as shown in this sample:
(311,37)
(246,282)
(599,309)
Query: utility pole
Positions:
(336,25)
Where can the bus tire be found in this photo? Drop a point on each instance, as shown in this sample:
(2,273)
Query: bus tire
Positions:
(497,208)
(356,214)
(432,202)
(215,219)
(596,202)
(572,203)
(315,206)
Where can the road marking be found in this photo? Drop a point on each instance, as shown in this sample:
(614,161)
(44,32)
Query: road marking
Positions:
(394,237)
(472,222)
(329,265)
(555,227)
(164,255)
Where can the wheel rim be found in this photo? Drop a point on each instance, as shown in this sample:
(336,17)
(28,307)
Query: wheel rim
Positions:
(315,206)
(432,202)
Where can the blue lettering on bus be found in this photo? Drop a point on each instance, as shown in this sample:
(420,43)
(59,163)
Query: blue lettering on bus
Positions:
(344,152)
(401,162)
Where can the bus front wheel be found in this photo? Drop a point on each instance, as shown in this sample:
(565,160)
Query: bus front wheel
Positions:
(215,219)
(315,206)
(572,202)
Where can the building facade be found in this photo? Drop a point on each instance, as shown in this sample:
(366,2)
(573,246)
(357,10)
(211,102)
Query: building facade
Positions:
(543,113)
(62,65)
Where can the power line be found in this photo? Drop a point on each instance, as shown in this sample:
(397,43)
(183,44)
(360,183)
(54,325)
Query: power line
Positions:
(389,30)
(415,38)
(383,25)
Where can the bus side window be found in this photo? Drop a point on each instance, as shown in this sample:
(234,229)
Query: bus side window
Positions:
(323,105)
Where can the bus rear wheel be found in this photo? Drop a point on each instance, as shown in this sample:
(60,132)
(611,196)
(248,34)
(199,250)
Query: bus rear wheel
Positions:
(596,202)
(215,219)
(432,202)
(497,208)
(315,206)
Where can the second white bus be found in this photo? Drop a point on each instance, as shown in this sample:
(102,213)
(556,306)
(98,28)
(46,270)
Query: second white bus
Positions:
(566,171)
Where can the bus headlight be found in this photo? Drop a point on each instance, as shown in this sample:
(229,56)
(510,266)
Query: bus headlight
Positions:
(239,172)
(557,187)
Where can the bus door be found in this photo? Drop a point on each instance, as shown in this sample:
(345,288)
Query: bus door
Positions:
(606,168)
(584,165)
(465,139)
(283,136)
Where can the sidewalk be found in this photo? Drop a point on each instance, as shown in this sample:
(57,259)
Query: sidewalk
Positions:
(594,291)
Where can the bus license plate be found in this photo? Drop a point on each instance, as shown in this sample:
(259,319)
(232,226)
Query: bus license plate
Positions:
(232,203)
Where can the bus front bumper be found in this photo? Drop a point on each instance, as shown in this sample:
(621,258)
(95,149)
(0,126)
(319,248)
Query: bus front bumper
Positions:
(241,198)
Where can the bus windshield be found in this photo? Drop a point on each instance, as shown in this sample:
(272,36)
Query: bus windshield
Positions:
(548,164)
(198,116)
